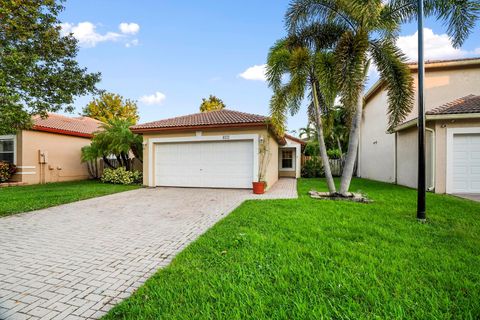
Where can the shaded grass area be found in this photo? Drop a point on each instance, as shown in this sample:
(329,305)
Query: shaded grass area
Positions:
(313,259)
(32,197)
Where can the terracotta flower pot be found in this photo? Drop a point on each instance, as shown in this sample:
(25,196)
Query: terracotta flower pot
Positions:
(258,187)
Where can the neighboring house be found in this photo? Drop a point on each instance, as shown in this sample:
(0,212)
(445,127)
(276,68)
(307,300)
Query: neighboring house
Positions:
(452,103)
(51,150)
(218,149)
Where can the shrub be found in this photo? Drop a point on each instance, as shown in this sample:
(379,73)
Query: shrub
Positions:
(311,149)
(313,168)
(6,171)
(333,154)
(121,176)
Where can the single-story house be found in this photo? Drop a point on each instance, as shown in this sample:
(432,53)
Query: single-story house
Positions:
(51,150)
(452,104)
(217,149)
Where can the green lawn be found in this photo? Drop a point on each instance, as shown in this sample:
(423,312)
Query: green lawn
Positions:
(312,259)
(32,197)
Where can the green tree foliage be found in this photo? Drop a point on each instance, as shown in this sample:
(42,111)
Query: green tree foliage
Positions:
(212,104)
(116,139)
(110,106)
(367,32)
(307,68)
(38,71)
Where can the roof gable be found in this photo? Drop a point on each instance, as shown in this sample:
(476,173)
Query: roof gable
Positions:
(217,118)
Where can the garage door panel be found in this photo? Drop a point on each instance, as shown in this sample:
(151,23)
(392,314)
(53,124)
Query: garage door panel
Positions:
(466,163)
(204,164)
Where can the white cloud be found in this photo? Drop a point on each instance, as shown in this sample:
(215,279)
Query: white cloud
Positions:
(132,43)
(86,34)
(257,72)
(129,28)
(156,98)
(477,51)
(436,46)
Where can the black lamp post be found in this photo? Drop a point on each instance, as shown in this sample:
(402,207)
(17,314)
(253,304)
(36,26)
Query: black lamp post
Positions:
(421,188)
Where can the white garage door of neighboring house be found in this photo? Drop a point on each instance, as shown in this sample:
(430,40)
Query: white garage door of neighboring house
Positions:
(219,164)
(466,163)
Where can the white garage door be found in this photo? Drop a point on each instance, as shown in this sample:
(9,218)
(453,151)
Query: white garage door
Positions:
(222,164)
(466,163)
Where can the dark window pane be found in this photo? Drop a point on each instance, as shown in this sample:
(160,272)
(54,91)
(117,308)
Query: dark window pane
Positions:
(6,145)
(8,157)
(287,163)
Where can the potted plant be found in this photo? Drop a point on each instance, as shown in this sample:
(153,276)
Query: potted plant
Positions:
(260,185)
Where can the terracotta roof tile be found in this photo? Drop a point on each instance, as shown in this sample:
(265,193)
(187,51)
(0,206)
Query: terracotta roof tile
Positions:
(76,126)
(212,118)
(302,142)
(467,104)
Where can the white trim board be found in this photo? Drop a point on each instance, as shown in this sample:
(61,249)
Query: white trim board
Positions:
(298,155)
(449,149)
(232,137)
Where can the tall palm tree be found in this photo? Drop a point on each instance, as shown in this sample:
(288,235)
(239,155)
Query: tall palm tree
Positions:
(306,70)
(309,133)
(370,31)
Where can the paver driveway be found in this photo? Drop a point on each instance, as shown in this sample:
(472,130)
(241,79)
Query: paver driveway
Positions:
(77,260)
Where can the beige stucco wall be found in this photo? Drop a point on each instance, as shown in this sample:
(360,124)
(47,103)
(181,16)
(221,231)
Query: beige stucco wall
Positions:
(443,86)
(64,154)
(377,160)
(271,172)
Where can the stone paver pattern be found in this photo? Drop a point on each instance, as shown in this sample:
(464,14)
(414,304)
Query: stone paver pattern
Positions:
(76,261)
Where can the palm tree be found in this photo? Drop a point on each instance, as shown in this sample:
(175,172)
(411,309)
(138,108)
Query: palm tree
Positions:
(117,139)
(369,32)
(307,70)
(309,133)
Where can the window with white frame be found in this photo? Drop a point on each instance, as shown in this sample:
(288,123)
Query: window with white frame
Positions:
(287,161)
(7,148)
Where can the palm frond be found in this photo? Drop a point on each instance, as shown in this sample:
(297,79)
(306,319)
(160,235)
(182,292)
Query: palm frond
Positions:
(350,55)
(278,63)
(303,12)
(318,36)
(460,16)
(325,70)
(278,109)
(391,65)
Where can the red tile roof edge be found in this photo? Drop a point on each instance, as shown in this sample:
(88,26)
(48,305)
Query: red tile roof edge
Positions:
(64,132)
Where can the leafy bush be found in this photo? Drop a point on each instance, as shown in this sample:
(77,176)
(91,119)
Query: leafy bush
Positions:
(313,168)
(333,154)
(121,176)
(311,149)
(6,171)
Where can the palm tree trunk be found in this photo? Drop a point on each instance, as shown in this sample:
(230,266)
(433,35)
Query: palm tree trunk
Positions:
(321,142)
(107,162)
(352,146)
(339,145)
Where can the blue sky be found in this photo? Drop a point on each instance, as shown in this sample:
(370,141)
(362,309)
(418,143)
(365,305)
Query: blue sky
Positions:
(168,55)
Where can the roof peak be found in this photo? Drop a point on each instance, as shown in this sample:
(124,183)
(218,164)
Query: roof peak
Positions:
(222,117)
